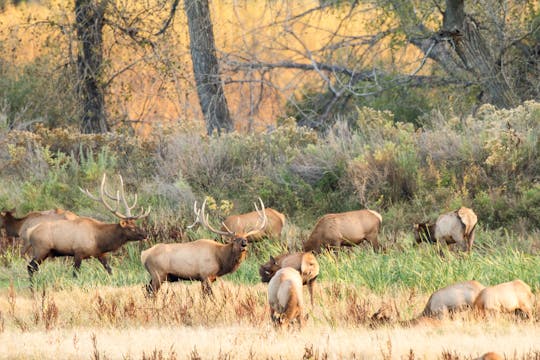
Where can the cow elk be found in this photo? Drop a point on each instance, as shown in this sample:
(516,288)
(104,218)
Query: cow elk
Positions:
(345,229)
(84,237)
(509,297)
(304,262)
(456,227)
(452,298)
(244,222)
(204,260)
(285,297)
(19,227)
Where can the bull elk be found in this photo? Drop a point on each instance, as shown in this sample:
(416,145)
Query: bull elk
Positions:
(345,229)
(84,237)
(285,297)
(303,262)
(204,260)
(244,222)
(19,227)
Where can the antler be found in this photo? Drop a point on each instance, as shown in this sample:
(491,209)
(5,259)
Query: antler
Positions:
(202,219)
(120,195)
(262,216)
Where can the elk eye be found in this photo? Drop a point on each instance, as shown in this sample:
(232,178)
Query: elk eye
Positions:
(267,272)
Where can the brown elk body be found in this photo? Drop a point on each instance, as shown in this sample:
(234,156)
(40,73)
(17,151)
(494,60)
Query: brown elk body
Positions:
(424,232)
(285,297)
(243,223)
(345,229)
(490,356)
(84,237)
(303,262)
(456,227)
(20,226)
(452,298)
(203,260)
(509,297)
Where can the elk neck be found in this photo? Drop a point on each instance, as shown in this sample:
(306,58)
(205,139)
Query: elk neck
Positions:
(109,237)
(13,225)
(229,259)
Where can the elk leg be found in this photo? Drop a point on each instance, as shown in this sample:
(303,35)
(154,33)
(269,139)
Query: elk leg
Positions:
(273,317)
(76,265)
(103,260)
(311,285)
(155,284)
(32,267)
(374,242)
(25,249)
(206,288)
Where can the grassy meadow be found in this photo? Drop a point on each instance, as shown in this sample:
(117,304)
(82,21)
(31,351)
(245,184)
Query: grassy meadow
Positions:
(488,162)
(100,316)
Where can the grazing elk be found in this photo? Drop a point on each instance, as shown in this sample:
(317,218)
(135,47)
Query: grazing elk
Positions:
(424,232)
(244,222)
(452,298)
(456,227)
(513,296)
(303,262)
(345,229)
(84,237)
(19,227)
(204,260)
(285,297)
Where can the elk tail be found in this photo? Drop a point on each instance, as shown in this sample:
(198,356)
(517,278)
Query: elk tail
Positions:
(376,214)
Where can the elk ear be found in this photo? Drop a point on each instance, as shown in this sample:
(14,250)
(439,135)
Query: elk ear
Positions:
(272,259)
(123,223)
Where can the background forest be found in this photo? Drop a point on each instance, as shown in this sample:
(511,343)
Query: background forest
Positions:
(334,105)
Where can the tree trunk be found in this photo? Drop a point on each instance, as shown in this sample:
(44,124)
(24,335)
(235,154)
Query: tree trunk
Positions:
(89,15)
(473,51)
(205,66)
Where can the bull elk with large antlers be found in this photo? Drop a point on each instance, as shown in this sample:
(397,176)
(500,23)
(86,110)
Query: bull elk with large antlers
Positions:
(204,259)
(84,237)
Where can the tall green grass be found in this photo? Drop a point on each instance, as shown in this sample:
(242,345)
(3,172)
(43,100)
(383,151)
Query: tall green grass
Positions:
(402,266)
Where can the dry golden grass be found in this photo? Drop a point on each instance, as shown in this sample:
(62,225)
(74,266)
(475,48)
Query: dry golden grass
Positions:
(109,322)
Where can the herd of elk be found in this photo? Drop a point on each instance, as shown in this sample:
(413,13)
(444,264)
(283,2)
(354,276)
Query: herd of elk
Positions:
(59,232)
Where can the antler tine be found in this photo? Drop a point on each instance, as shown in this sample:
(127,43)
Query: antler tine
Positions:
(205,223)
(262,216)
(123,196)
(142,214)
(103,193)
(197,219)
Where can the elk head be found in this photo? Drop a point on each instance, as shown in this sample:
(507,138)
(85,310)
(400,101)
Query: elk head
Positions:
(127,220)
(239,240)
(266,271)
